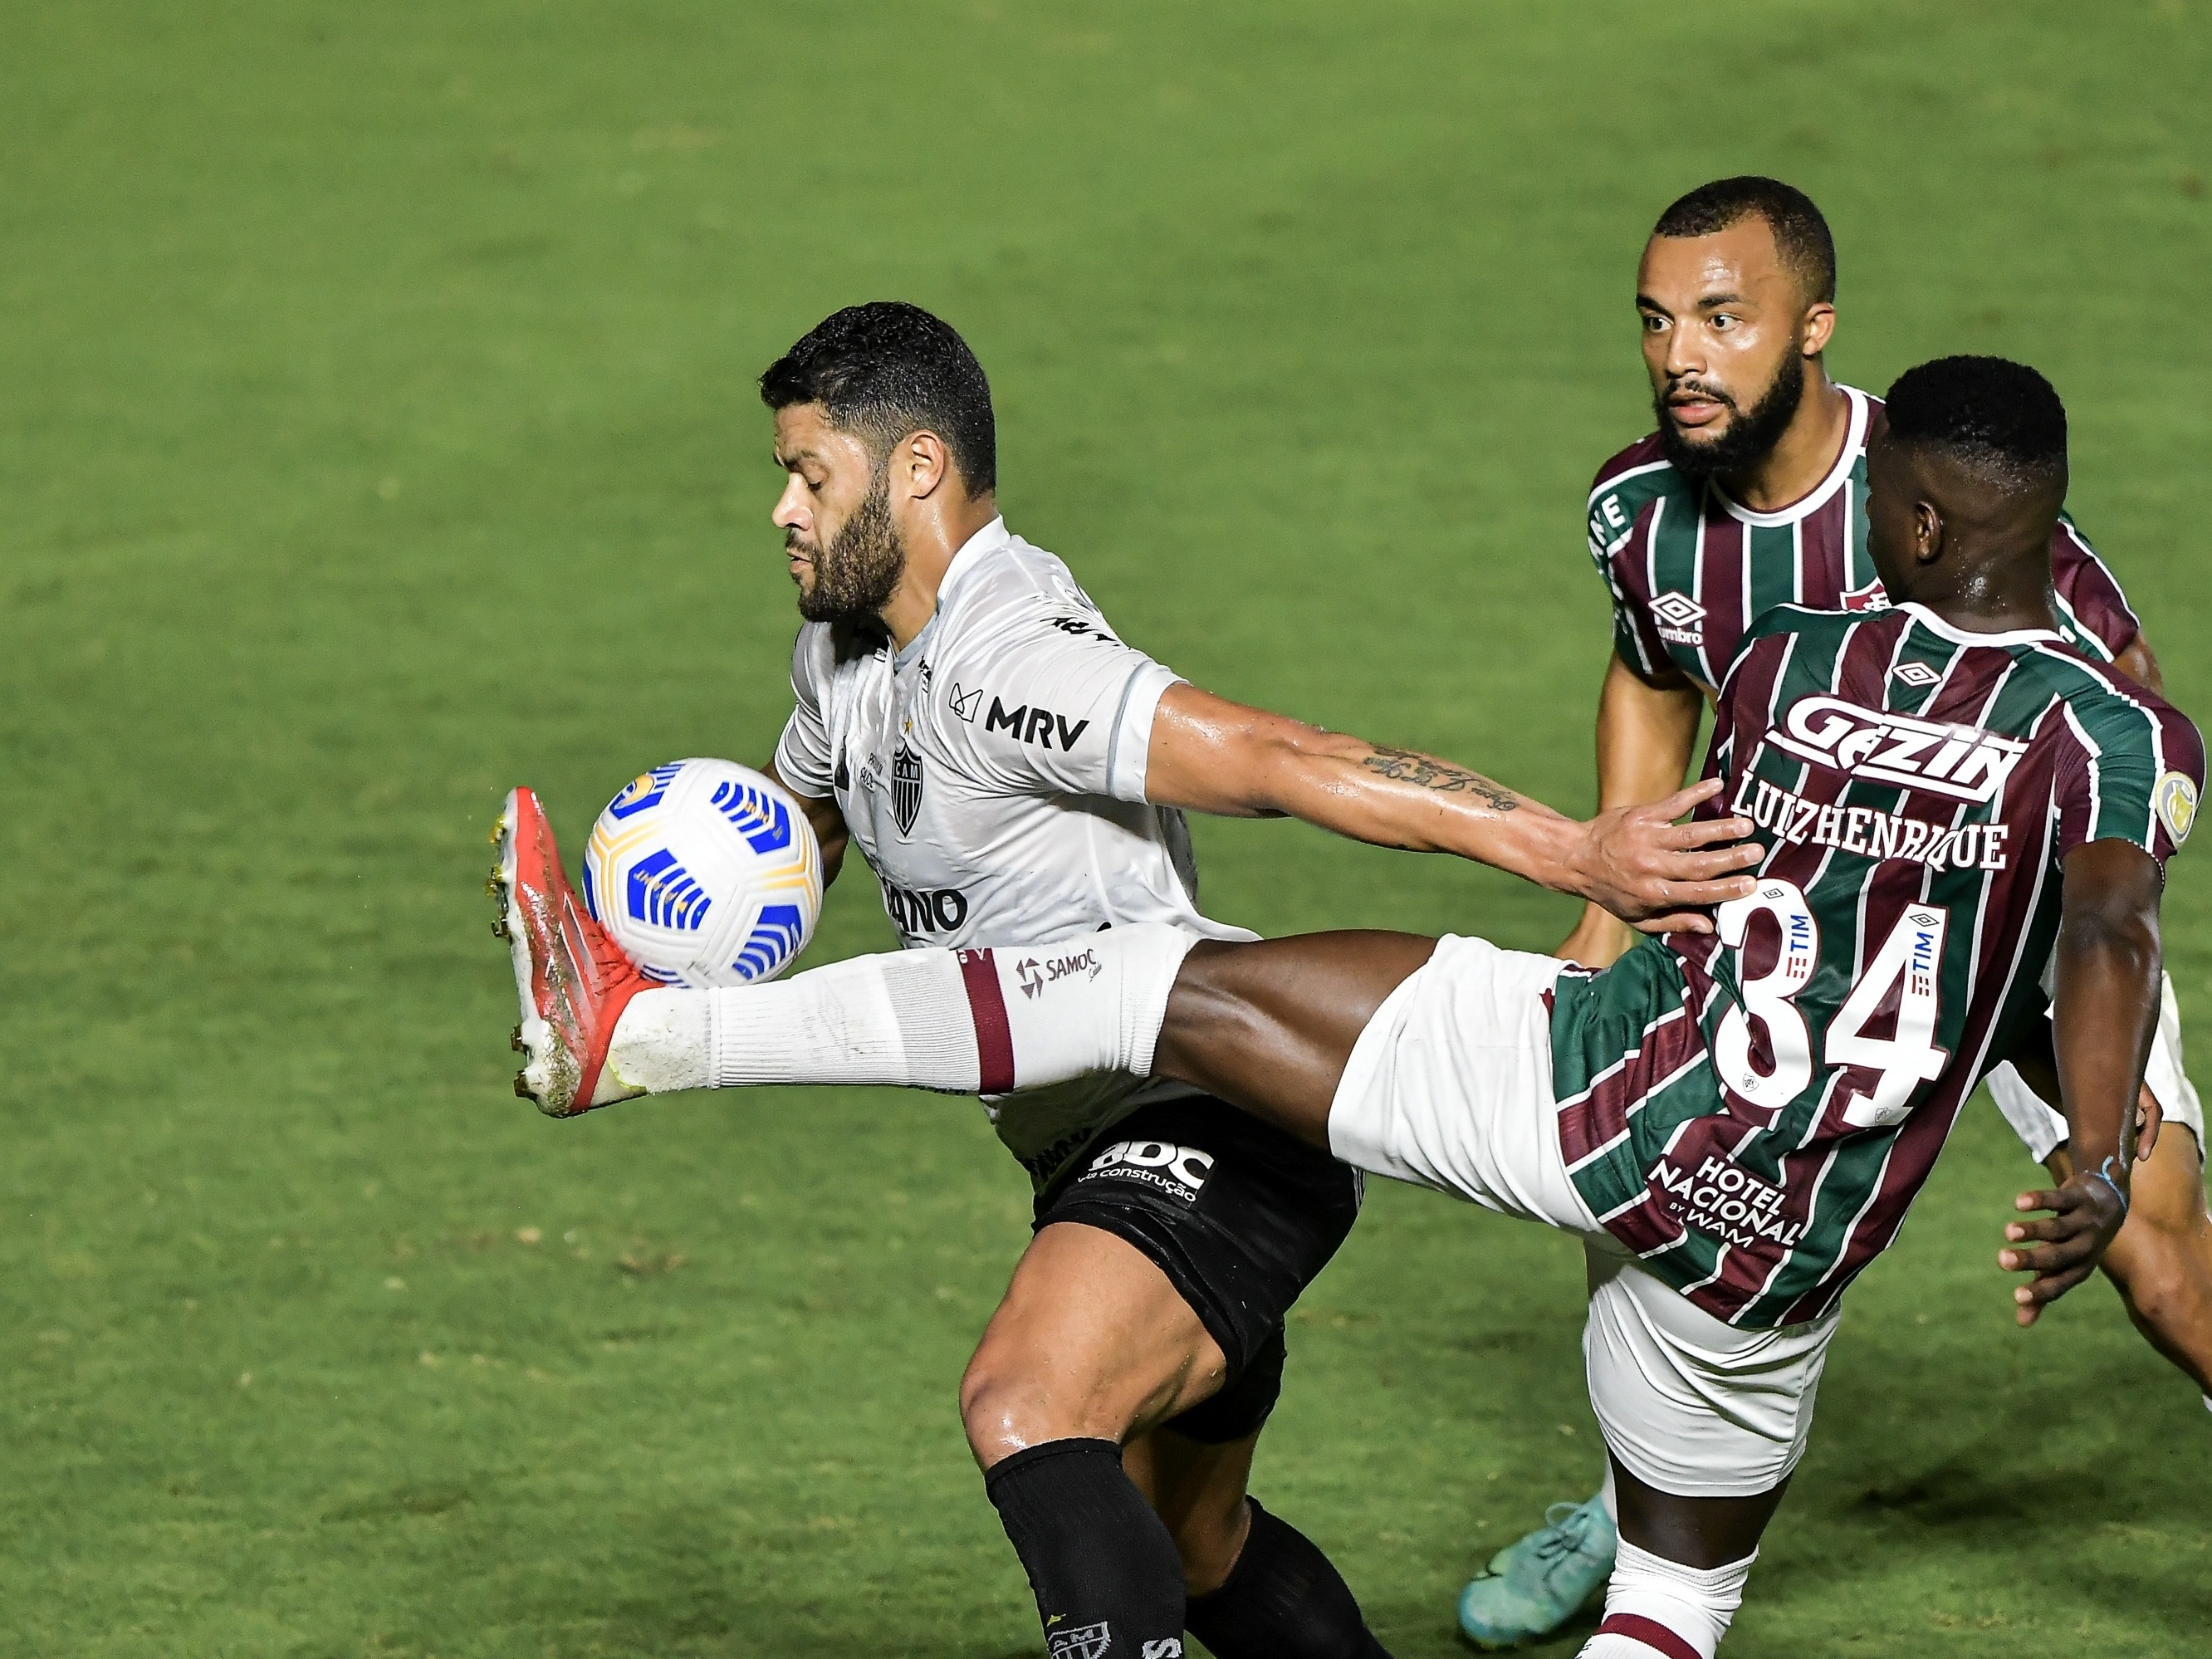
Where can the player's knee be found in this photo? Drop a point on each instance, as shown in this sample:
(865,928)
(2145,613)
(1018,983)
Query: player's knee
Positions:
(990,1414)
(1003,1410)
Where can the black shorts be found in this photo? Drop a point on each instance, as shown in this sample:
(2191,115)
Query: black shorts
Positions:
(1240,1217)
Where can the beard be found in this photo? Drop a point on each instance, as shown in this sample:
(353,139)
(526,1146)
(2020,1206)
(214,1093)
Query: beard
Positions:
(856,574)
(1750,434)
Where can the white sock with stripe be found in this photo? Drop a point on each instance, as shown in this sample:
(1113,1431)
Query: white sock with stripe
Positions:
(1657,1607)
(963,1021)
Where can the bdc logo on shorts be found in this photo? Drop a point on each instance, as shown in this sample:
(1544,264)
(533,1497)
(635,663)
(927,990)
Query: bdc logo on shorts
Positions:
(1153,1162)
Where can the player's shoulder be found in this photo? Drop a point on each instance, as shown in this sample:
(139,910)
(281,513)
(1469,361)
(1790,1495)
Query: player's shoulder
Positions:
(1637,473)
(1014,594)
(2088,683)
(1810,622)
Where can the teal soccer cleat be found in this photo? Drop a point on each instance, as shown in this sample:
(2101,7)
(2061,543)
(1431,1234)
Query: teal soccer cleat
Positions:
(1533,1587)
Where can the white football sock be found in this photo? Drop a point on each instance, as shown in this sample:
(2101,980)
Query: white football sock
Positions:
(963,1021)
(1655,1606)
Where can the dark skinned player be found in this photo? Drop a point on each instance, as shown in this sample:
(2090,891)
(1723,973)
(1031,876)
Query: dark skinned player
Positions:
(1752,493)
(1955,805)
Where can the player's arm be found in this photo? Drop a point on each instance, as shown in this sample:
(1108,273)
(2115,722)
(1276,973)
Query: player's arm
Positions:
(829,823)
(1209,755)
(1647,730)
(2103,1013)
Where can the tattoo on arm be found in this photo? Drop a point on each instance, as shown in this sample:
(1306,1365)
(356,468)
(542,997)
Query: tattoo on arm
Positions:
(1404,766)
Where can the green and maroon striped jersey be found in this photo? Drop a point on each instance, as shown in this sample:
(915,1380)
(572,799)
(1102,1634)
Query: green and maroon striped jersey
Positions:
(1691,569)
(1752,1110)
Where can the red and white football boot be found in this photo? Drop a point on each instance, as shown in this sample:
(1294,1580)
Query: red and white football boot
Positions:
(574,981)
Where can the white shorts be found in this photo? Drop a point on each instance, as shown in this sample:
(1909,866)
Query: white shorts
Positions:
(1450,1086)
(2043,1126)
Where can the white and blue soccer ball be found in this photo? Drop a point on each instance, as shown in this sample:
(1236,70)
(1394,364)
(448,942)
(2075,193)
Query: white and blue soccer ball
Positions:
(706,872)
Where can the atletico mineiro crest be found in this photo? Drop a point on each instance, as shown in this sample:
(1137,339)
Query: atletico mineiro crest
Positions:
(1087,1641)
(906,788)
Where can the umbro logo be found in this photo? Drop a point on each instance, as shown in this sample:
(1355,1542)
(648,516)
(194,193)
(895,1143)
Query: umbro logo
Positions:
(1678,616)
(966,704)
(1917,674)
(1963,763)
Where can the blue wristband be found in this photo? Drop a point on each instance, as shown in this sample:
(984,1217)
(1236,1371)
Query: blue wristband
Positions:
(2104,1172)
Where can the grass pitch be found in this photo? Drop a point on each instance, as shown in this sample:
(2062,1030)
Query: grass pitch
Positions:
(376,432)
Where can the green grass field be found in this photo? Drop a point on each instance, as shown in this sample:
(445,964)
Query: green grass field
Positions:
(376,431)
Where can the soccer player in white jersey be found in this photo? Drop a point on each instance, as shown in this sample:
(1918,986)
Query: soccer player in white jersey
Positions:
(1012,772)
(1739,1120)
(1752,493)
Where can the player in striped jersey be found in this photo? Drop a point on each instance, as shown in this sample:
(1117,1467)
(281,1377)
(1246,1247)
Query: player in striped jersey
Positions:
(1962,818)
(1752,493)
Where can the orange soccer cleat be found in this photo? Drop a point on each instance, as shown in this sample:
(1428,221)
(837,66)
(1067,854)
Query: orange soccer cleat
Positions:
(574,982)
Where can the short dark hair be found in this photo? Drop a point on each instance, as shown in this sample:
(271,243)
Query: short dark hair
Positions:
(1998,417)
(1801,234)
(886,369)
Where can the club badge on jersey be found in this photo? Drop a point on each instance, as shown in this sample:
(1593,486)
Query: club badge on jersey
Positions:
(906,788)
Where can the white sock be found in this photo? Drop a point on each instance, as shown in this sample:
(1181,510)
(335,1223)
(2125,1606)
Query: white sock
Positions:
(1655,1606)
(963,1021)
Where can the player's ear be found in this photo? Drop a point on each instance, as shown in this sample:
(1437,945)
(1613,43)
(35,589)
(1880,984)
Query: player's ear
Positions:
(1819,323)
(923,463)
(1927,532)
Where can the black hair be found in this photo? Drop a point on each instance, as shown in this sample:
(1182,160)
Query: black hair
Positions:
(1801,234)
(2000,418)
(886,369)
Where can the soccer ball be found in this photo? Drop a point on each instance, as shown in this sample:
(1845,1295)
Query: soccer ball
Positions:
(706,872)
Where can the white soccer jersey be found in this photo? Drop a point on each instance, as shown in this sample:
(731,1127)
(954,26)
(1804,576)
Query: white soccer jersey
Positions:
(992,774)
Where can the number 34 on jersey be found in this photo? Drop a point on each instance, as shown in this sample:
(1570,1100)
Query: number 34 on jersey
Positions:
(1762,1051)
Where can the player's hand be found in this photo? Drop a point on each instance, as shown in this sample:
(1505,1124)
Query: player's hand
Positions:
(1660,875)
(2065,1248)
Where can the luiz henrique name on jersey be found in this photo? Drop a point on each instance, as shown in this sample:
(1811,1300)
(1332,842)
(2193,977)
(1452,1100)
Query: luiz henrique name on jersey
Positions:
(1753,1111)
(992,774)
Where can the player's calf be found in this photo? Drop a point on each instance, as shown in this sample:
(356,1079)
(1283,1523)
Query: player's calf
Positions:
(962,1022)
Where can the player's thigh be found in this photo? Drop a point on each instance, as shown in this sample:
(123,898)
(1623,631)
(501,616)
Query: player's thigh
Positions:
(1690,1406)
(1269,1026)
(1451,1085)
(1091,1339)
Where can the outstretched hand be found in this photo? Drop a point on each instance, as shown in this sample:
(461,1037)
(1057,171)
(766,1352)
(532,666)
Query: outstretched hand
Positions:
(1663,876)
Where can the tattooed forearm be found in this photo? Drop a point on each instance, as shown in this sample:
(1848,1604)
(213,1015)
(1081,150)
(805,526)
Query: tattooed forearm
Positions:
(1404,766)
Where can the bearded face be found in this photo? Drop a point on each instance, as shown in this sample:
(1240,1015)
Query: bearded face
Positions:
(1745,437)
(855,575)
